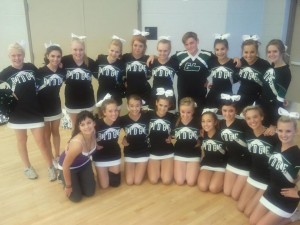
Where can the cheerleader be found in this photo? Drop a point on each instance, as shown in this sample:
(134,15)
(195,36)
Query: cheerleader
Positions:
(109,72)
(187,151)
(260,147)
(233,134)
(275,82)
(223,72)
(136,151)
(163,70)
(161,124)
(251,72)
(136,71)
(49,81)
(108,159)
(75,165)
(211,176)
(278,205)
(79,93)
(26,114)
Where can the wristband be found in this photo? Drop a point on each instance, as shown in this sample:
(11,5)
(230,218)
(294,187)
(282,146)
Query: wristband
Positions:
(68,186)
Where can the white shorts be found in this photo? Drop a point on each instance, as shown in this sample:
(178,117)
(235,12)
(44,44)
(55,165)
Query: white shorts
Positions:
(275,209)
(257,184)
(108,163)
(25,125)
(215,169)
(136,160)
(186,159)
(237,171)
(90,109)
(160,157)
(53,118)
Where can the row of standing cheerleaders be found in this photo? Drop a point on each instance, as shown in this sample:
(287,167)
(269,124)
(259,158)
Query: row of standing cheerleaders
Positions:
(259,81)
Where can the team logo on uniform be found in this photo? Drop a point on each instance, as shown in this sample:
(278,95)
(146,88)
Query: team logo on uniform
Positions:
(250,74)
(51,81)
(256,146)
(213,146)
(280,163)
(192,67)
(21,77)
(232,136)
(108,134)
(135,129)
(108,71)
(159,125)
(136,66)
(78,74)
(163,71)
(186,133)
(221,72)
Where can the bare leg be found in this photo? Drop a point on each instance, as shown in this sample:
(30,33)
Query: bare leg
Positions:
(258,213)
(167,169)
(248,193)
(55,137)
(192,172)
(180,172)
(73,117)
(216,183)
(47,133)
(229,181)
(140,171)
(271,218)
(238,187)
(129,173)
(204,179)
(102,177)
(153,171)
(253,202)
(21,136)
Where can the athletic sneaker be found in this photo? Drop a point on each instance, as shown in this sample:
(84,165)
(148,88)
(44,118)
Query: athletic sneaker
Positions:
(52,173)
(295,216)
(30,173)
(55,162)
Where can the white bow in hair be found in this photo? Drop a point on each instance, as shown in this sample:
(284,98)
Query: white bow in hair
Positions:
(137,32)
(115,37)
(233,98)
(254,37)
(213,110)
(222,36)
(22,43)
(107,96)
(79,37)
(283,112)
(47,45)
(162,91)
(168,38)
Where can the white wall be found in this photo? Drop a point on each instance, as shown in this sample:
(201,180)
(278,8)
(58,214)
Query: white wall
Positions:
(13,28)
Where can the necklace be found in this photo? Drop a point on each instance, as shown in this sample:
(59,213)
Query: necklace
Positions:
(87,145)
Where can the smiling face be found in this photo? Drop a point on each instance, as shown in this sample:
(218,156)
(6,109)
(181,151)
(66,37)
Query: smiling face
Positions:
(221,51)
(87,126)
(250,53)
(208,123)
(134,107)
(16,57)
(54,58)
(228,112)
(191,45)
(273,54)
(186,113)
(162,107)
(163,50)
(286,132)
(111,112)
(77,50)
(114,52)
(254,119)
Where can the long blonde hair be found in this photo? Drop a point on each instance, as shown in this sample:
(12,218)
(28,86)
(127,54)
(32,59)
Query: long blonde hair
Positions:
(80,41)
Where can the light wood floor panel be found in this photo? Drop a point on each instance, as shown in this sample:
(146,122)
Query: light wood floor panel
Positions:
(36,202)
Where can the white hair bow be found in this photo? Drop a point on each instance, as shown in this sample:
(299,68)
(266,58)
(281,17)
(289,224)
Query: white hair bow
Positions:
(22,43)
(107,96)
(254,37)
(233,98)
(137,32)
(162,91)
(47,45)
(222,36)
(115,37)
(283,112)
(79,37)
(168,38)
(213,110)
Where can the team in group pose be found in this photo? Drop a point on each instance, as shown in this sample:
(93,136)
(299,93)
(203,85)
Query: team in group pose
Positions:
(243,157)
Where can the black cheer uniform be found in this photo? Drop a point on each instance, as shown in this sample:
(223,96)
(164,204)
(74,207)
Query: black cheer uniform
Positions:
(284,168)
(239,159)
(26,112)
(110,78)
(79,93)
(136,74)
(215,154)
(49,84)
(160,129)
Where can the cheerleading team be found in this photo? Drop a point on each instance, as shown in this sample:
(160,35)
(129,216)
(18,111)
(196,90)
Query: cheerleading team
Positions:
(136,150)
(109,72)
(260,146)
(79,93)
(108,159)
(26,113)
(161,159)
(49,80)
(213,163)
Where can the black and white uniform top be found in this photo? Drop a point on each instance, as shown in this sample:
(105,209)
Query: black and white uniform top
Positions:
(192,74)
(234,137)
(79,93)
(110,78)
(215,154)
(136,74)
(275,85)
(80,160)
(163,77)
(284,168)
(186,139)
(26,112)
(223,77)
(107,137)
(250,77)
(260,148)
(49,84)
(136,133)
(160,129)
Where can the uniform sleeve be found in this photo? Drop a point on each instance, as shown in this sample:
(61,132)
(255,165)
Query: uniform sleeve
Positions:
(282,83)
(95,69)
